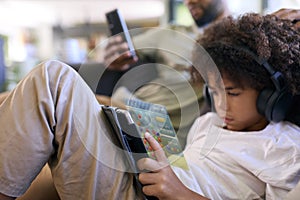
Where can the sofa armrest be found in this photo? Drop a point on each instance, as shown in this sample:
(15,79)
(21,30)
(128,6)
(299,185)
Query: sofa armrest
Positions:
(42,188)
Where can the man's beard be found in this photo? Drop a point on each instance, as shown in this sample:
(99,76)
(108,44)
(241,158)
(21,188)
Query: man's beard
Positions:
(210,13)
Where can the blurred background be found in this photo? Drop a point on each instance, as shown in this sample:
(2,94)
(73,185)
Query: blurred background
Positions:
(35,30)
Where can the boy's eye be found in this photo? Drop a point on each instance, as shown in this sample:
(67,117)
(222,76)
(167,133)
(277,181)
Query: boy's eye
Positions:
(233,93)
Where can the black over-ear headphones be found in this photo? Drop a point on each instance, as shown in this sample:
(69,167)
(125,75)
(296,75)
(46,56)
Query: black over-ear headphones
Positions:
(273,103)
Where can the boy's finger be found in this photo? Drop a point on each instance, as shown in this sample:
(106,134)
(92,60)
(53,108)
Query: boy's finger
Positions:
(148,178)
(148,164)
(158,151)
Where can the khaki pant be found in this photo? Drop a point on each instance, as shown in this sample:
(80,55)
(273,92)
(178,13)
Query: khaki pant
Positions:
(53,116)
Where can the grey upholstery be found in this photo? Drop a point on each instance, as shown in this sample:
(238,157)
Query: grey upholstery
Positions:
(131,79)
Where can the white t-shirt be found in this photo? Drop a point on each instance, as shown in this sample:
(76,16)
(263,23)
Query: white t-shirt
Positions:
(228,164)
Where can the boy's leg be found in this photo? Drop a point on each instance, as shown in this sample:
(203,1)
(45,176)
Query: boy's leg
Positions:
(53,116)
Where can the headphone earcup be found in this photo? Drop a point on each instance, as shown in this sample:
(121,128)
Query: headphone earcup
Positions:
(274,105)
(262,101)
(281,105)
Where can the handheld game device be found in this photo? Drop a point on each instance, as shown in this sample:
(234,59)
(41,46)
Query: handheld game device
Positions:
(129,127)
(140,117)
(117,25)
(153,118)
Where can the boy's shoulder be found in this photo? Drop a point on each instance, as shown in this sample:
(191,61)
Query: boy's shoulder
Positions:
(285,126)
(205,121)
(208,117)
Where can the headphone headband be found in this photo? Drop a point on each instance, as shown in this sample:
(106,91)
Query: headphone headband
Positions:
(276,77)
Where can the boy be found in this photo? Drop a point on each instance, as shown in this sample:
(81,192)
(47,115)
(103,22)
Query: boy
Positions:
(243,156)
(248,156)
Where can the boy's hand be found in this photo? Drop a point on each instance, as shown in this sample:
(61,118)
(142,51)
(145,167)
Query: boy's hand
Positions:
(161,182)
(117,56)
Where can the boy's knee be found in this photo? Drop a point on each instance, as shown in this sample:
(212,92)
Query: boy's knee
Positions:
(55,67)
(53,73)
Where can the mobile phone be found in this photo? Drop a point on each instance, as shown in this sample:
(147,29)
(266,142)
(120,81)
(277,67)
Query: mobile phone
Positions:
(117,25)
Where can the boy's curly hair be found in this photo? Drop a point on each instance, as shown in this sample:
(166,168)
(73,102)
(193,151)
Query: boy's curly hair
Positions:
(268,37)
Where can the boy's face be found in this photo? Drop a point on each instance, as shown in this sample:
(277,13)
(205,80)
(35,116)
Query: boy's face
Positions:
(237,107)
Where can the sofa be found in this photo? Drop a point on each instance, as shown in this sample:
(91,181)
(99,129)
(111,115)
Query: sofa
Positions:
(42,188)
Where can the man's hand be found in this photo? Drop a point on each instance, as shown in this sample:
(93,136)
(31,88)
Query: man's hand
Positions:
(290,14)
(117,56)
(162,182)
